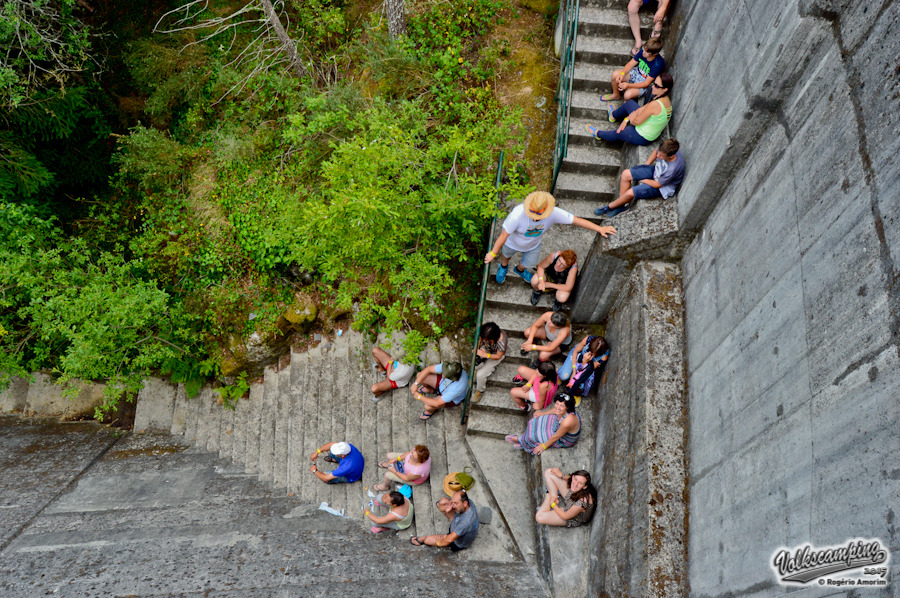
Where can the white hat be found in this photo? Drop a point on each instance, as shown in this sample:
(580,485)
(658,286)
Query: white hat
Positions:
(402,373)
(340,449)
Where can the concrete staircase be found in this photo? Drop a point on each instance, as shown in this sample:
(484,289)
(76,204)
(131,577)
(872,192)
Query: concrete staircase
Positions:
(588,178)
(323,396)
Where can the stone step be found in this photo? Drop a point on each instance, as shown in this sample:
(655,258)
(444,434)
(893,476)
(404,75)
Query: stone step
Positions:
(267,425)
(205,404)
(568,549)
(508,484)
(254,427)
(588,105)
(282,428)
(298,459)
(242,412)
(495,540)
(595,160)
(191,419)
(180,412)
(611,22)
(585,187)
(580,137)
(155,406)
(584,208)
(215,422)
(514,318)
(597,49)
(437,446)
(593,79)
(496,423)
(497,398)
(226,433)
(311,435)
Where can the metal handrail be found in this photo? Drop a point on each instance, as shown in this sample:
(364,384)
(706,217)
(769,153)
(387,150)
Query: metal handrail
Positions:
(485,273)
(564,90)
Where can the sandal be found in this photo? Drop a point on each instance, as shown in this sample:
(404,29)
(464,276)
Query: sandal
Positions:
(425,416)
(381,487)
(377,530)
(635,50)
(414,540)
(513,440)
(656,33)
(608,97)
(592,131)
(386,464)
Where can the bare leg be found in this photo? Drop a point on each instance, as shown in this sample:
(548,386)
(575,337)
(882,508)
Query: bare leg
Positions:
(632,94)
(634,21)
(549,518)
(614,83)
(520,396)
(545,355)
(622,199)
(556,486)
(526,372)
(625,181)
(382,357)
(562,296)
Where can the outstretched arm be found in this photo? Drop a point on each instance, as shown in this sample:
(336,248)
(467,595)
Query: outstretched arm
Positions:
(604,231)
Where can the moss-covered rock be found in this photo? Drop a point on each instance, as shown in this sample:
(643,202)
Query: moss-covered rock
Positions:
(301,313)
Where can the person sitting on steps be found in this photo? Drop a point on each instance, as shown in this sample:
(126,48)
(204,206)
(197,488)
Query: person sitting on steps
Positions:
(492,345)
(523,231)
(634,80)
(646,122)
(399,516)
(397,374)
(556,273)
(634,20)
(539,386)
(411,467)
(569,500)
(553,327)
(463,516)
(350,463)
(659,177)
(448,379)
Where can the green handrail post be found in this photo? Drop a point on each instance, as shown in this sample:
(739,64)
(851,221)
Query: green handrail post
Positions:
(485,273)
(564,90)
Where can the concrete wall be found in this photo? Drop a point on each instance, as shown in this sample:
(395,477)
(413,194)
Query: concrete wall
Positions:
(639,533)
(788,112)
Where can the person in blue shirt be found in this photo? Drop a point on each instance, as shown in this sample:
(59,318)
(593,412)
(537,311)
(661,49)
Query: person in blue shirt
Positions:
(448,379)
(636,77)
(659,177)
(350,463)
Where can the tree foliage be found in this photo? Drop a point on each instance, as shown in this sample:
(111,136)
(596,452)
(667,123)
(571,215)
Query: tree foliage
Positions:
(43,43)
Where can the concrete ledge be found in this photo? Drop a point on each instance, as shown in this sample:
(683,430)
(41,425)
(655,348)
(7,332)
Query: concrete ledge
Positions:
(640,531)
(14,396)
(155,406)
(45,398)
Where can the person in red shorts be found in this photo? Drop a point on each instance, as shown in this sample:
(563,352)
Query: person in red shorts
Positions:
(396,373)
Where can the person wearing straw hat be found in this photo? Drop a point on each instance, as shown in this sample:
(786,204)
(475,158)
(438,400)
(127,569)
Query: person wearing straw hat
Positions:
(523,231)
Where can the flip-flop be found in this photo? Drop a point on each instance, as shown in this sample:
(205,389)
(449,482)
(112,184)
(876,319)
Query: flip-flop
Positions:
(377,529)
(414,540)
(592,131)
(385,464)
(656,32)
(381,487)
(635,50)
(608,97)
(425,416)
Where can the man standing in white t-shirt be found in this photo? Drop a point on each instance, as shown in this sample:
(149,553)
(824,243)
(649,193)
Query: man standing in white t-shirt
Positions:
(524,229)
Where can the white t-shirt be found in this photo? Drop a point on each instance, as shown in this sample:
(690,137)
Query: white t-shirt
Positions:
(524,233)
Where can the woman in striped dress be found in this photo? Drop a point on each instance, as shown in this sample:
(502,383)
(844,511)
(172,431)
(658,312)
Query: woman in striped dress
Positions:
(557,426)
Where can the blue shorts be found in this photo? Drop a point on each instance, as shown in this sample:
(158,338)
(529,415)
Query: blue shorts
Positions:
(643,191)
(530,259)
(338,480)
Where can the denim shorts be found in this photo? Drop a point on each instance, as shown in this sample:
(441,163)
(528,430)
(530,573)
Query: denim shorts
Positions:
(338,480)
(643,191)
(530,259)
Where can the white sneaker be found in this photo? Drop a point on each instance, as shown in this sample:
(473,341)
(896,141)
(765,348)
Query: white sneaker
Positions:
(376,399)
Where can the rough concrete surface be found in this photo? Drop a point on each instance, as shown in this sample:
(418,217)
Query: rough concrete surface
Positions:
(155,518)
(157,400)
(792,299)
(45,398)
(640,531)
